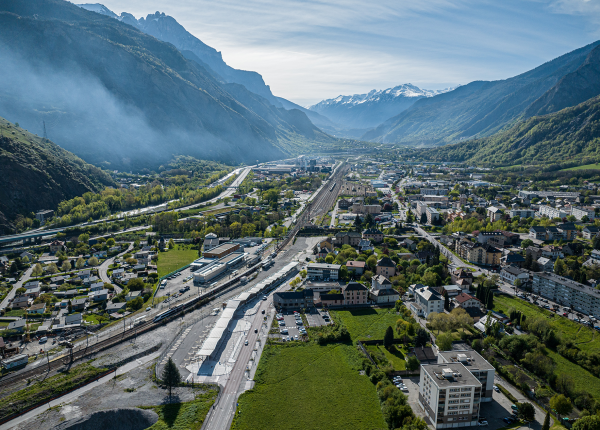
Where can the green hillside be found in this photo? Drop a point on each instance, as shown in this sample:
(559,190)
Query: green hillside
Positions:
(570,135)
(38,174)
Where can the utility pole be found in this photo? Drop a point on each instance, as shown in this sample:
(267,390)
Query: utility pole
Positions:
(45,134)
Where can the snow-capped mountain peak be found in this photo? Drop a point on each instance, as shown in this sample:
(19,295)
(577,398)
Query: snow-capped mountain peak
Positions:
(370,109)
(404,90)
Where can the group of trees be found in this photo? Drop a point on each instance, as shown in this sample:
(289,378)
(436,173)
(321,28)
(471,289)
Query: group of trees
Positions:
(485,293)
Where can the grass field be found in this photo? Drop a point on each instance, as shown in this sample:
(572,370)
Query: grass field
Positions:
(396,358)
(365,324)
(583,380)
(587,166)
(310,387)
(175,258)
(586,338)
(184,416)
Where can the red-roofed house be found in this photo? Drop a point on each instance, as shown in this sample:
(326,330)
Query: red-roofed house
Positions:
(357,267)
(465,301)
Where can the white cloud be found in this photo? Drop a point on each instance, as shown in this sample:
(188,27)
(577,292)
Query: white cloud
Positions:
(308,50)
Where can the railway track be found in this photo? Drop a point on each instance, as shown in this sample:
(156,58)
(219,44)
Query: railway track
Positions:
(322,203)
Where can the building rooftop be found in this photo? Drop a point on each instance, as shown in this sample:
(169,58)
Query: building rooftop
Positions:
(324,266)
(450,374)
(469,358)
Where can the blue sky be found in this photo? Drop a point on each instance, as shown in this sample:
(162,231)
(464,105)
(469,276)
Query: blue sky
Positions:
(309,50)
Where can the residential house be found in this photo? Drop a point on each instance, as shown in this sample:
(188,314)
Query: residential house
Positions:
(112,308)
(27,254)
(373,234)
(100,254)
(118,273)
(56,245)
(424,256)
(58,280)
(590,232)
(99,295)
(78,304)
(386,267)
(355,294)
(384,296)
(461,277)
(18,325)
(537,232)
(545,264)
(38,308)
(323,252)
(427,301)
(552,252)
(451,290)
(133,295)
(20,302)
(409,244)
(358,267)
(380,282)
(466,301)
(351,238)
(332,300)
(73,319)
(32,292)
(510,274)
(494,213)
(534,251)
(97,286)
(365,245)
(127,277)
(568,230)
(512,259)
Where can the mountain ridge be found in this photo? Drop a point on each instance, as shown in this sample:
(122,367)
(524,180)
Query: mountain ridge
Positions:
(477,109)
(373,108)
(568,135)
(113,94)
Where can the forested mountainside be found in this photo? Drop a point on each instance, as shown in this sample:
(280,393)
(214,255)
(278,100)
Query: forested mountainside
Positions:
(38,174)
(568,135)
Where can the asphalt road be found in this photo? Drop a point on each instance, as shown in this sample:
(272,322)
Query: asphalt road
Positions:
(19,284)
(222,415)
(103,269)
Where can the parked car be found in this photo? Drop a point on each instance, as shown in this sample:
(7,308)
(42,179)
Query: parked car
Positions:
(255,330)
(246,343)
(482,423)
(496,389)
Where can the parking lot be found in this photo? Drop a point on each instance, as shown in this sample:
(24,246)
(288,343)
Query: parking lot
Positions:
(315,318)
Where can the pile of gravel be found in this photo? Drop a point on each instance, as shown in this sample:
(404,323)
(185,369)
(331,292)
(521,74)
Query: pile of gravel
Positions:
(113,419)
